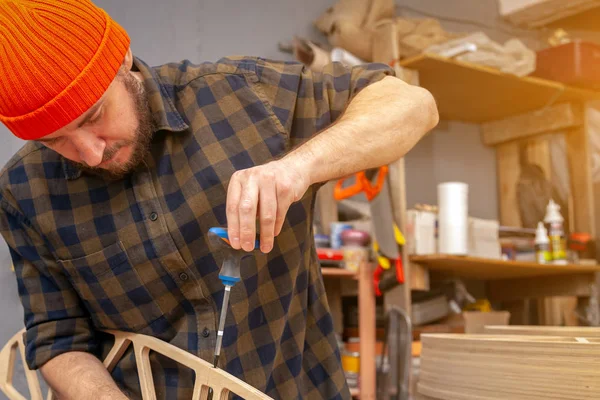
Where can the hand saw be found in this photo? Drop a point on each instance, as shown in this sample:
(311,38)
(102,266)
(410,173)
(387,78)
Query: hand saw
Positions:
(380,204)
(387,235)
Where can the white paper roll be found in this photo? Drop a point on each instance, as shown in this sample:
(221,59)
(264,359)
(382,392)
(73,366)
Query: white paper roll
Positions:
(453,224)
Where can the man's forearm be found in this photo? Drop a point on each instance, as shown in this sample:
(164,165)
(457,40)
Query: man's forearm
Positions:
(80,376)
(380,125)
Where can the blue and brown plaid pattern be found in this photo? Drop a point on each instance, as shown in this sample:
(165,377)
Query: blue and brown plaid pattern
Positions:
(133,255)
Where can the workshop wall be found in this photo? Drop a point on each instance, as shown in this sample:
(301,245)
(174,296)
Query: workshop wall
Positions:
(453,152)
(204,30)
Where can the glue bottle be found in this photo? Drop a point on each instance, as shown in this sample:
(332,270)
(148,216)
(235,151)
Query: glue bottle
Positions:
(542,245)
(556,233)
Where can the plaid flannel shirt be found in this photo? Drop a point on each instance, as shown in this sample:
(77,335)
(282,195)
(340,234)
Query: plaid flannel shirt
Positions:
(133,255)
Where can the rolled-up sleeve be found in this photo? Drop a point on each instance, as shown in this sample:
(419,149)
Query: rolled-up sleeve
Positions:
(55,320)
(306,101)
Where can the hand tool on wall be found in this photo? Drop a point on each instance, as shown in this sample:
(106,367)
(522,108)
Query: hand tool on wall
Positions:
(388,237)
(394,384)
(387,276)
(229,274)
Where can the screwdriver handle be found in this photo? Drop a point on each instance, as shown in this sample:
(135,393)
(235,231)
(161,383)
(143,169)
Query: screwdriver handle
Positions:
(224,236)
(230,270)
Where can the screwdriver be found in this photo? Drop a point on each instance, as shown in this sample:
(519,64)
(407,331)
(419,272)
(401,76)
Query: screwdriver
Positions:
(229,275)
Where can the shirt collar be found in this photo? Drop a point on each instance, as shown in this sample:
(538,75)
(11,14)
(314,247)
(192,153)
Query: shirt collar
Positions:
(161,99)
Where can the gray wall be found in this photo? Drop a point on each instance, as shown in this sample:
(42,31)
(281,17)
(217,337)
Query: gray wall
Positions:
(203,30)
(453,152)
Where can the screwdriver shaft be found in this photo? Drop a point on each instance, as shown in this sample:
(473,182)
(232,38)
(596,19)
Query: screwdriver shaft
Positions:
(221,324)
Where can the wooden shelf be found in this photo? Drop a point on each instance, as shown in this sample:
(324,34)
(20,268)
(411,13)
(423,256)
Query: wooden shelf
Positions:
(338,272)
(475,93)
(488,269)
(583,21)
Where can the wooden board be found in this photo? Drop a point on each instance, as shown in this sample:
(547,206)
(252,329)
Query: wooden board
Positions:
(489,269)
(495,367)
(554,118)
(474,93)
(522,288)
(508,170)
(582,189)
(8,358)
(331,272)
(568,331)
(327,207)
(584,23)
(538,13)
(222,383)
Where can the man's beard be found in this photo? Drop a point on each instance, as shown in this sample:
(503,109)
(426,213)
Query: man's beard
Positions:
(141,141)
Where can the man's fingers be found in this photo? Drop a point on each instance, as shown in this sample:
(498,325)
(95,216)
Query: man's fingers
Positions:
(267,211)
(247,213)
(285,196)
(233,203)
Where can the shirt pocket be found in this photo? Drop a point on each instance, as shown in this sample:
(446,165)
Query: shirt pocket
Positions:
(111,289)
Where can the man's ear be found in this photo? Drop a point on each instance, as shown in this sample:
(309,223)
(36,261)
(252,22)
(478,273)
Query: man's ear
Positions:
(128,60)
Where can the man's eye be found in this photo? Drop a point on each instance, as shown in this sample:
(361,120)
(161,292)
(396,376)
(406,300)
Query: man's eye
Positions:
(96,116)
(53,142)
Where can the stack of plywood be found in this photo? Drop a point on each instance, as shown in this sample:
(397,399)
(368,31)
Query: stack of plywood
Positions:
(566,331)
(516,367)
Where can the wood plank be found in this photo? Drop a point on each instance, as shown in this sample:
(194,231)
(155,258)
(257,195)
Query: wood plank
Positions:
(538,152)
(568,331)
(333,289)
(8,358)
(539,13)
(584,24)
(206,374)
(327,206)
(331,272)
(573,284)
(551,310)
(367,327)
(385,42)
(385,50)
(474,93)
(490,269)
(582,189)
(545,120)
(508,170)
(515,367)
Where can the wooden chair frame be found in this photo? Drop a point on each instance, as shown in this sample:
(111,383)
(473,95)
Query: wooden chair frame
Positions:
(207,377)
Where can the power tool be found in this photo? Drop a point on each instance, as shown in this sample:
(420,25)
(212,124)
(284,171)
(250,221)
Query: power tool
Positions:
(229,274)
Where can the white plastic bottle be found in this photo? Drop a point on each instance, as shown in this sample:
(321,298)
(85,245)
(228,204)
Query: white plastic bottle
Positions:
(542,245)
(556,233)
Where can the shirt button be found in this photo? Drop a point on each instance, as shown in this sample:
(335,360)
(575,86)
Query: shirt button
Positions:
(206,332)
(153,216)
(183,276)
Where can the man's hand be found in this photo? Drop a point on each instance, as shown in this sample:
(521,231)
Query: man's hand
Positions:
(266,192)
(380,125)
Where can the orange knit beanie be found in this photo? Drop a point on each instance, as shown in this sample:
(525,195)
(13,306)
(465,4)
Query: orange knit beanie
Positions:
(57,58)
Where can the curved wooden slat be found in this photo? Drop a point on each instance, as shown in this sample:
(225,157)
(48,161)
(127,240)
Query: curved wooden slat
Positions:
(8,358)
(207,377)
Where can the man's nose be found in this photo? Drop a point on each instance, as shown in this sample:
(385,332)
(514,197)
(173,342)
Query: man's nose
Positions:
(90,148)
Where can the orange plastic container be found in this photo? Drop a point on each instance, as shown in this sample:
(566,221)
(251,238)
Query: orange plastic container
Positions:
(575,64)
